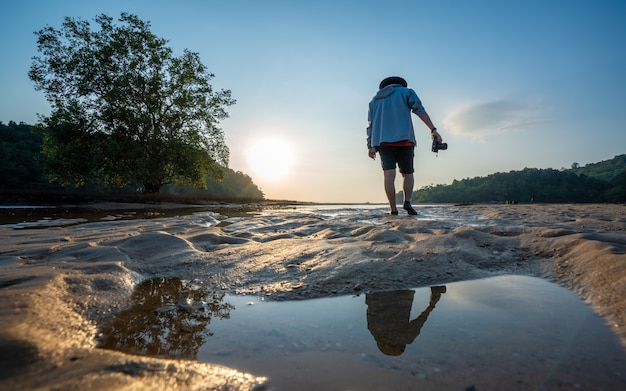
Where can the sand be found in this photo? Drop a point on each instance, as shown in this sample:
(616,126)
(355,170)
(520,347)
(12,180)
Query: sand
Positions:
(57,283)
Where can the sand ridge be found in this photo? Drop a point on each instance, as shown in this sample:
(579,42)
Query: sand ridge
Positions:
(56,283)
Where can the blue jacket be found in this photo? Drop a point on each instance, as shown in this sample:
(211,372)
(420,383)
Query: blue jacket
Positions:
(389,115)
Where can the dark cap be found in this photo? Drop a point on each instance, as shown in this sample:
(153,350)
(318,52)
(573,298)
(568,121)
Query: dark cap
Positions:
(392,80)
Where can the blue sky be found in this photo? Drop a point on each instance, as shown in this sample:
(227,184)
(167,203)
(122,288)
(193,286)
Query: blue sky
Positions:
(509,85)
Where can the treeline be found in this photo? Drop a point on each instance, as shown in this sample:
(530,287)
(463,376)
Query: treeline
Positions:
(599,182)
(606,170)
(22,168)
(20,157)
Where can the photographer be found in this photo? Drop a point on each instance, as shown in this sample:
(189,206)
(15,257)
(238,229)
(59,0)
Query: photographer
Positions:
(390,133)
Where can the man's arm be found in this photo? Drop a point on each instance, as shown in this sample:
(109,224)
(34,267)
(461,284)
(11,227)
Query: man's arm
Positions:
(427,121)
(371,151)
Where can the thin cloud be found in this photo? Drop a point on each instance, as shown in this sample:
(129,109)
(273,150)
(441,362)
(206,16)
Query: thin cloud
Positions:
(482,120)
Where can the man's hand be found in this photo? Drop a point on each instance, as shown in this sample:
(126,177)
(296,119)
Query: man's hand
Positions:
(435,135)
(371,153)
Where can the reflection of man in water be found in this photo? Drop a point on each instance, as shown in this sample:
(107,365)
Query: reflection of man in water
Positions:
(389,314)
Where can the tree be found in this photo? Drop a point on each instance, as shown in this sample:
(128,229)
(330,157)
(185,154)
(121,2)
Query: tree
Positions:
(168,317)
(125,110)
(20,159)
(528,185)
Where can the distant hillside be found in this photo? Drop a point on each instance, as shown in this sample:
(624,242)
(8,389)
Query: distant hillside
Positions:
(605,170)
(599,182)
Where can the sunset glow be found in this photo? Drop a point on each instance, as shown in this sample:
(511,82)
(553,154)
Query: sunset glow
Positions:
(270,159)
(509,85)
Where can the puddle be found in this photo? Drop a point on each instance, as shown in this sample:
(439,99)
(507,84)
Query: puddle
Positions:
(168,317)
(501,333)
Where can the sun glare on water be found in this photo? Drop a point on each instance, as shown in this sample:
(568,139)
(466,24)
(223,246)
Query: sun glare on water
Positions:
(270,159)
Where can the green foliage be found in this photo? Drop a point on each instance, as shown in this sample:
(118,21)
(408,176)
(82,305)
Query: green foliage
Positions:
(533,185)
(235,186)
(125,110)
(605,170)
(20,160)
(71,152)
(21,163)
(617,193)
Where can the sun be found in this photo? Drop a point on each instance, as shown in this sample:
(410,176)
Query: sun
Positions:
(270,159)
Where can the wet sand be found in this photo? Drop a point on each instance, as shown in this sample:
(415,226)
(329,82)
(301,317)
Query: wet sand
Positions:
(56,283)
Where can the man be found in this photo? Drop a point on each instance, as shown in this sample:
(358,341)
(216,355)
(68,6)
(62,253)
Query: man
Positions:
(390,133)
(389,318)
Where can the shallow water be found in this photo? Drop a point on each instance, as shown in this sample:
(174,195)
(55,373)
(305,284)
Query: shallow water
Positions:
(28,217)
(25,217)
(371,213)
(501,333)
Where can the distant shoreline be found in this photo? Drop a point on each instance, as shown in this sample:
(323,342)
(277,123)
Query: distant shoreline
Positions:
(60,197)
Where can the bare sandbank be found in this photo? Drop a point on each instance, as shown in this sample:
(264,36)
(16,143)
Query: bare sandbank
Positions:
(57,282)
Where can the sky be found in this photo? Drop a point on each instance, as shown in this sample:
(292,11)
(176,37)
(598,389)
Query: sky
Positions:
(509,84)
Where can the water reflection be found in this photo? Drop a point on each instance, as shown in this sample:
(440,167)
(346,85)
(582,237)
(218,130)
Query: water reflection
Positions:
(389,318)
(169,317)
(474,338)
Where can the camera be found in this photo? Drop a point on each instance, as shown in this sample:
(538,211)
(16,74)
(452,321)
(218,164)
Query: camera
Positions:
(438,146)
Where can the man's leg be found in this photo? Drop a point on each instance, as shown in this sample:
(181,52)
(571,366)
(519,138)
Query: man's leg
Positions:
(390,188)
(405,162)
(407,187)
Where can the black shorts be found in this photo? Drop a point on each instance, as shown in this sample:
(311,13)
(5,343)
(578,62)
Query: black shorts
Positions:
(403,156)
